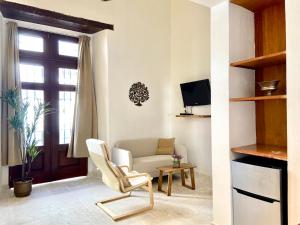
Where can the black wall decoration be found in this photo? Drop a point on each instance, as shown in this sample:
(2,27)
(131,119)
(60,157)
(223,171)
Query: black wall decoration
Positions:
(138,93)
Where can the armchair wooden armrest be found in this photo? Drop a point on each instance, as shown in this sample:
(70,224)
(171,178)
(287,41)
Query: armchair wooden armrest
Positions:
(148,180)
(137,175)
(125,166)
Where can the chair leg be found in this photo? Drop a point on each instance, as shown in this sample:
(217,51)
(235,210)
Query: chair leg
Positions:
(114,198)
(131,213)
(150,190)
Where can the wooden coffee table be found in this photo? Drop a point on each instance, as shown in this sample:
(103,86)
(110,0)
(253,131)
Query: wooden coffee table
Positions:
(170,171)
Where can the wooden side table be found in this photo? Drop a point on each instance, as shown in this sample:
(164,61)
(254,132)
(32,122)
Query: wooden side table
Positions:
(170,171)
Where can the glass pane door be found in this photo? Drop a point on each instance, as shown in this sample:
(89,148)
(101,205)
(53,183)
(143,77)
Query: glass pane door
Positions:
(34,97)
(48,72)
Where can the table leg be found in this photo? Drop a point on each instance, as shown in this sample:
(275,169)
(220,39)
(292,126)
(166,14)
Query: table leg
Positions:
(192,178)
(170,180)
(160,178)
(186,174)
(182,177)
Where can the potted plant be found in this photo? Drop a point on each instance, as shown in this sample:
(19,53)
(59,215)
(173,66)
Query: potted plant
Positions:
(27,142)
(176,160)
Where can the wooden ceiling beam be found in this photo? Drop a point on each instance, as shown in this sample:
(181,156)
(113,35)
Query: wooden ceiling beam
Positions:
(32,14)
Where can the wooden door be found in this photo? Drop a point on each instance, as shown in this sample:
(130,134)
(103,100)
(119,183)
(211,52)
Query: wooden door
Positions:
(48,70)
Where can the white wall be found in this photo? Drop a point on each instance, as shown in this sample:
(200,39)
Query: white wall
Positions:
(233,124)
(100,71)
(222,205)
(241,81)
(208,3)
(293,107)
(139,50)
(190,61)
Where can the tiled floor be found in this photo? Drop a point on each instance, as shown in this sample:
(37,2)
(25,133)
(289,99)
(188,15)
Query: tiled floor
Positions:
(72,202)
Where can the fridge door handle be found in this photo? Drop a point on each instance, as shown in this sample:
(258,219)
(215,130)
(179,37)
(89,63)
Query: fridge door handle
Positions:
(251,195)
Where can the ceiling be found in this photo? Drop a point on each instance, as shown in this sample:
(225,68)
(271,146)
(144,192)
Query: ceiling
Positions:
(208,3)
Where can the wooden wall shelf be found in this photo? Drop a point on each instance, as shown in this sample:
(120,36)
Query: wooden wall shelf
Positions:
(194,116)
(262,61)
(259,98)
(255,5)
(267,151)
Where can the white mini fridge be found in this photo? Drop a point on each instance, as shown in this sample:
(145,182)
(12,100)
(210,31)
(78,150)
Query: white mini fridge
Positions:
(259,191)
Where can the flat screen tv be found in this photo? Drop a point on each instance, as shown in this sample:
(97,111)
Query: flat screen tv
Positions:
(196,93)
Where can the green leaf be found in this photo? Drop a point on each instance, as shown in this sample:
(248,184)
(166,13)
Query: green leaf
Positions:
(19,122)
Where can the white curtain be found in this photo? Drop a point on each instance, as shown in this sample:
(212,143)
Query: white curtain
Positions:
(10,153)
(85,122)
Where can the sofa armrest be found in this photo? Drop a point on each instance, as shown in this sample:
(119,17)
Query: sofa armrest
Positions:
(122,157)
(181,150)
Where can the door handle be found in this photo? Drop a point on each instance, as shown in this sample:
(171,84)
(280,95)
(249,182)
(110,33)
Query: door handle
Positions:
(259,197)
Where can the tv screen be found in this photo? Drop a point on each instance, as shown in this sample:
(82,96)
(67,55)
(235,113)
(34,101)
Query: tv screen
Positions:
(196,93)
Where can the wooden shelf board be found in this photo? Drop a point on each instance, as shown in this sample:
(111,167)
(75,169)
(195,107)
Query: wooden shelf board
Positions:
(267,151)
(255,5)
(262,61)
(194,116)
(259,98)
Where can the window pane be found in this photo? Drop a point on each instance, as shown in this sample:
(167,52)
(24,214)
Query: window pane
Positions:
(31,73)
(67,48)
(66,112)
(67,76)
(34,97)
(31,43)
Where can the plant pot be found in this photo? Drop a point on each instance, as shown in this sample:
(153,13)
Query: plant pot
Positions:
(176,164)
(22,188)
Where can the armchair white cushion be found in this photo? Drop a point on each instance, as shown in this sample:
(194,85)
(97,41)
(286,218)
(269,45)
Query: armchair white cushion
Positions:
(122,157)
(139,155)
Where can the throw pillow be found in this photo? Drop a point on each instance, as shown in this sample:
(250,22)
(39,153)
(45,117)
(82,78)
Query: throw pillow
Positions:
(166,146)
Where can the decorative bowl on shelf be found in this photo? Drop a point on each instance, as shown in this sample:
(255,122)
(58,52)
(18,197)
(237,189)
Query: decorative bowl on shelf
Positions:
(268,86)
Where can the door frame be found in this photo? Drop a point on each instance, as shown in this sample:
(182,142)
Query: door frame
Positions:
(54,162)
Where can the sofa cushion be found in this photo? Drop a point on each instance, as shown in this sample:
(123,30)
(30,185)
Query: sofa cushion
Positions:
(139,147)
(150,163)
(166,146)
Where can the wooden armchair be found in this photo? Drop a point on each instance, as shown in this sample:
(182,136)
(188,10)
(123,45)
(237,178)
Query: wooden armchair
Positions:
(117,179)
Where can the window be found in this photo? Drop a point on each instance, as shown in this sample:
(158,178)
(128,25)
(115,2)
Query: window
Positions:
(66,112)
(35,97)
(67,76)
(48,72)
(29,42)
(68,48)
(31,73)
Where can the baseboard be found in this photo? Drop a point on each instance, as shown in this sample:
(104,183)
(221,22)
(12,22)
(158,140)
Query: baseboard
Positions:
(4,188)
(94,173)
(3,176)
(198,171)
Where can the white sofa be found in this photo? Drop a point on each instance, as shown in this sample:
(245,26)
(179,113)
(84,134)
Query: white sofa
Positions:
(139,155)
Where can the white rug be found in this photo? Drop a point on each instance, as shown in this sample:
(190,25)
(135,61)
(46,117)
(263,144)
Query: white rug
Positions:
(72,202)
